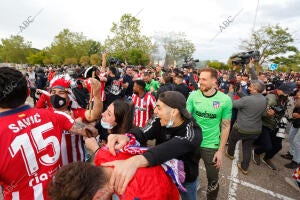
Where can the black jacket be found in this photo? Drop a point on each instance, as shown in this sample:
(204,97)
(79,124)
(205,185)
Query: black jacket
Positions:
(182,142)
(183,89)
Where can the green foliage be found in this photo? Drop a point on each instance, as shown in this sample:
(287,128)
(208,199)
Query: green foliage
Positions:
(15,49)
(291,62)
(216,64)
(37,58)
(126,37)
(93,47)
(137,56)
(70,61)
(84,60)
(95,59)
(270,41)
(69,44)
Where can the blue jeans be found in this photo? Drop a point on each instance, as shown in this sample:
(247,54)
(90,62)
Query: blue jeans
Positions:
(294,139)
(191,193)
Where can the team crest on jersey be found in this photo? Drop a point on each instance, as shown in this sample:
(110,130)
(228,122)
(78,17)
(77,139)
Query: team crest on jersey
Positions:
(22,115)
(216,104)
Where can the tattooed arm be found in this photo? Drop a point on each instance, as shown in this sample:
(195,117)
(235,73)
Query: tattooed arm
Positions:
(225,128)
(80,128)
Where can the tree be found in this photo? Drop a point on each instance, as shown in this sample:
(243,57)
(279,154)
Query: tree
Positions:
(15,49)
(37,58)
(84,60)
(95,59)
(216,64)
(127,36)
(291,61)
(176,46)
(93,47)
(70,61)
(270,41)
(69,44)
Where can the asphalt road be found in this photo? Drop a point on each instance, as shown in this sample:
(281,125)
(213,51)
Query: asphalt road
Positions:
(260,183)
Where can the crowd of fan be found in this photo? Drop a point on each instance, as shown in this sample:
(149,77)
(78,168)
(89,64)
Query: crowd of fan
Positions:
(140,86)
(254,108)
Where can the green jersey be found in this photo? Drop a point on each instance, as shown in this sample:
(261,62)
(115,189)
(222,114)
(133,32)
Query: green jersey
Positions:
(209,113)
(154,84)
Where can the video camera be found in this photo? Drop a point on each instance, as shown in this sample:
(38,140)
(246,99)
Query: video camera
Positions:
(279,110)
(189,63)
(243,58)
(281,120)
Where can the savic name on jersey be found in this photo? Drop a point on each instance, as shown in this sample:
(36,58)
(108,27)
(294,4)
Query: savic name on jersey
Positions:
(24,123)
(30,148)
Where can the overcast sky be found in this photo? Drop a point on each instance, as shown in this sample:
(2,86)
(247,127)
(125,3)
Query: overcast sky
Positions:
(199,19)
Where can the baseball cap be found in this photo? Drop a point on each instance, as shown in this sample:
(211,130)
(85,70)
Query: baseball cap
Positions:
(60,83)
(175,99)
(286,88)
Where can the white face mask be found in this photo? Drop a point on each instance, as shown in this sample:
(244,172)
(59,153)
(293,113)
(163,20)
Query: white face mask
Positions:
(106,125)
(243,83)
(170,123)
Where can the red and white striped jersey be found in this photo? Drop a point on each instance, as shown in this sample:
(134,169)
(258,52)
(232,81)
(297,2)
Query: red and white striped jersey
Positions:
(30,147)
(72,149)
(143,108)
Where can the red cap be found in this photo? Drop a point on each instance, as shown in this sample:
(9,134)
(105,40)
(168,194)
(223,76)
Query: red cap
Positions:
(60,83)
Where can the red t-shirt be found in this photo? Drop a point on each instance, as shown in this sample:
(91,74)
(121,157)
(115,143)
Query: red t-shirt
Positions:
(148,183)
(30,149)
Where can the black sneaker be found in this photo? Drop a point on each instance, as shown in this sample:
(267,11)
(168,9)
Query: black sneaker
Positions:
(255,158)
(212,192)
(269,164)
(287,156)
(292,165)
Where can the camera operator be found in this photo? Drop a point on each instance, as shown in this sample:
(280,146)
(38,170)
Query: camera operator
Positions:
(270,140)
(248,125)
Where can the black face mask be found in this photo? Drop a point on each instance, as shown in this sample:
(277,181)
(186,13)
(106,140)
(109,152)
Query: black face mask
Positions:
(58,101)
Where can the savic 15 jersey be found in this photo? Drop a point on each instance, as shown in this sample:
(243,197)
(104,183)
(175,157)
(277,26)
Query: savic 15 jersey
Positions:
(30,151)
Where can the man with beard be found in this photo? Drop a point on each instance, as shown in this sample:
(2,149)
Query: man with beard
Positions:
(212,111)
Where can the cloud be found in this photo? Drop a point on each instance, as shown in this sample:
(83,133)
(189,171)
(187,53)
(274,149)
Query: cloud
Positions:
(200,20)
(284,11)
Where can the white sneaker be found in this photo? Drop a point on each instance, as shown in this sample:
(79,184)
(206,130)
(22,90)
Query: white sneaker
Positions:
(292,183)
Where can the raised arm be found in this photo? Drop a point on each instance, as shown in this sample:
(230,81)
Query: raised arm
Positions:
(95,113)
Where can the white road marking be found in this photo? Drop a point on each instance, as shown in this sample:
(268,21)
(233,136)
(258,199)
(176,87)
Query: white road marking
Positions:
(234,172)
(234,181)
(261,189)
